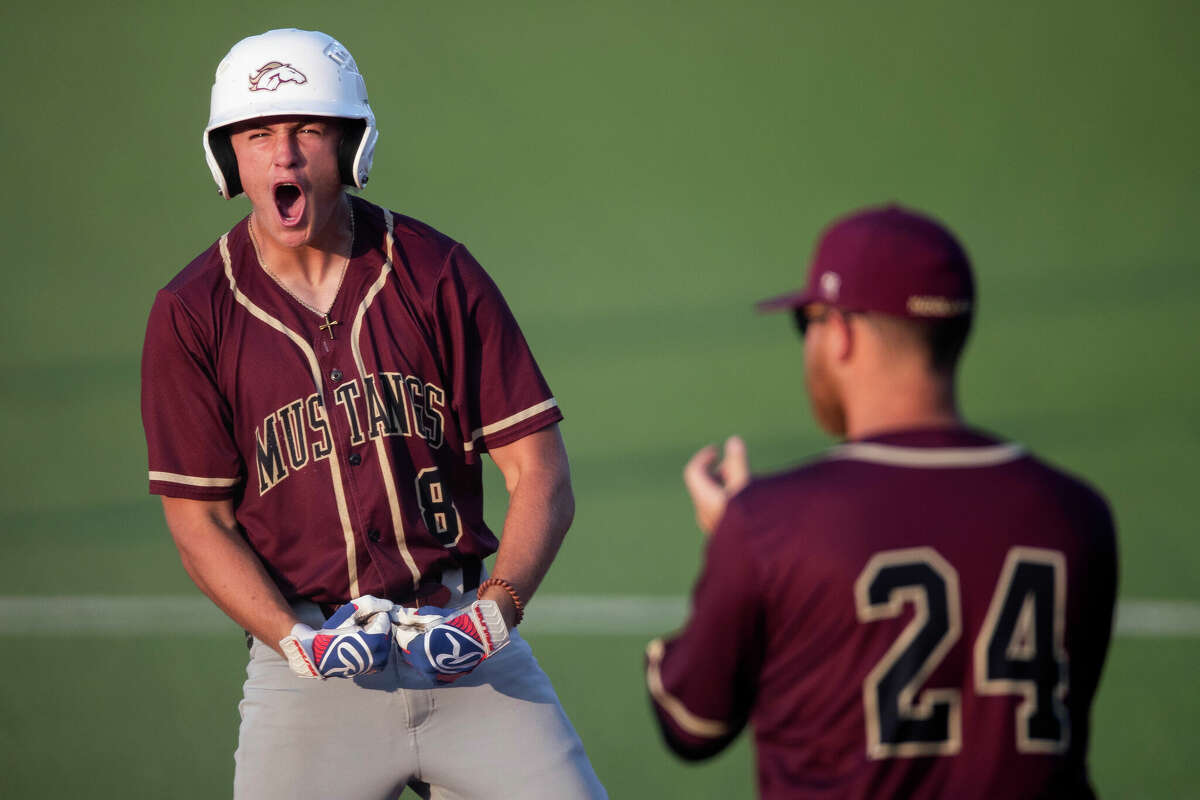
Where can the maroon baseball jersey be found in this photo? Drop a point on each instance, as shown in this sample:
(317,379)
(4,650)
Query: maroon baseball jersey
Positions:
(922,614)
(351,453)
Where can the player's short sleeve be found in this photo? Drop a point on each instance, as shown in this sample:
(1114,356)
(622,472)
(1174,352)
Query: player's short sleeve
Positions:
(703,680)
(499,393)
(187,421)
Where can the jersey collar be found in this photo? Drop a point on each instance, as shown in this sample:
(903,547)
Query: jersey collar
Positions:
(930,448)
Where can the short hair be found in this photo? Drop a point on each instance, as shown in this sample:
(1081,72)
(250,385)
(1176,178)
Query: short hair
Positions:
(942,339)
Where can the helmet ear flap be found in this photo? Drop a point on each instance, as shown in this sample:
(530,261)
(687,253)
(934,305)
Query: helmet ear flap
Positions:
(222,150)
(352,136)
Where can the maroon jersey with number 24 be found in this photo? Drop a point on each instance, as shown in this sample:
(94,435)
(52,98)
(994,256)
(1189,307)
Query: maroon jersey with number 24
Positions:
(351,454)
(922,614)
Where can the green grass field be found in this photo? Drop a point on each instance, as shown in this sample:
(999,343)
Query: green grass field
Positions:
(634,175)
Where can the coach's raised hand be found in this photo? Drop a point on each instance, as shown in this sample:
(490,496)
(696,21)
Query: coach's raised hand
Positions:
(446,645)
(711,484)
(356,640)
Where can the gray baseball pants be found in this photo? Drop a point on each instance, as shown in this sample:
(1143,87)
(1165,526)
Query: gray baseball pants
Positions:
(499,732)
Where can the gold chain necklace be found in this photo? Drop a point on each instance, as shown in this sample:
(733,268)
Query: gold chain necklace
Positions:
(329,323)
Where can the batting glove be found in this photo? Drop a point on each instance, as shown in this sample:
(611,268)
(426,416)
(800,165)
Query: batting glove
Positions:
(354,641)
(447,645)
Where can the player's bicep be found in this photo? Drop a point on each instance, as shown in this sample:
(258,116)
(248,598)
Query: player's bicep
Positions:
(188,515)
(541,457)
(195,524)
(205,532)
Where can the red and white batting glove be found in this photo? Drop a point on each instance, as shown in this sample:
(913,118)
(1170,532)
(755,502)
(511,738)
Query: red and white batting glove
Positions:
(356,640)
(446,645)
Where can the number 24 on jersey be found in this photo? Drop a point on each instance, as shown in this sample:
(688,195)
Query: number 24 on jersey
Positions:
(1019,651)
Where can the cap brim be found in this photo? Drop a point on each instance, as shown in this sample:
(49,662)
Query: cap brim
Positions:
(784,302)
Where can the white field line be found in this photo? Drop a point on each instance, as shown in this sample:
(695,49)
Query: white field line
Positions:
(585,615)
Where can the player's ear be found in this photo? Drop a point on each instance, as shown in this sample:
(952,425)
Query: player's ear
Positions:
(843,338)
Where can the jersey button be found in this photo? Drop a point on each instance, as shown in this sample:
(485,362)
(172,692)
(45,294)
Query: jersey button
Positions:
(355,459)
(335,375)
(374,535)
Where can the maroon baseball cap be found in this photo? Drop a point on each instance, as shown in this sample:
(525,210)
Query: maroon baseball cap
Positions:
(887,259)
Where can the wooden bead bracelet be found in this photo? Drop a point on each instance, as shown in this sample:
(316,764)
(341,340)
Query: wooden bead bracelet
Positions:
(508,587)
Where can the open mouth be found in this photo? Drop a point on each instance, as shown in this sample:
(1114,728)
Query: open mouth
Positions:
(289,202)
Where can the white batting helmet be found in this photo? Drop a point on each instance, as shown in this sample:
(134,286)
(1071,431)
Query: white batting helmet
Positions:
(289,71)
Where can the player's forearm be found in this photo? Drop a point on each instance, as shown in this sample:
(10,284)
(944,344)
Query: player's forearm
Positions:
(540,510)
(223,566)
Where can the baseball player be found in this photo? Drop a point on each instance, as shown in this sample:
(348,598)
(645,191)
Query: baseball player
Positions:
(924,610)
(318,388)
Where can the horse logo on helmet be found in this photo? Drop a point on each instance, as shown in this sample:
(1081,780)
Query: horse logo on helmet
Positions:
(270,75)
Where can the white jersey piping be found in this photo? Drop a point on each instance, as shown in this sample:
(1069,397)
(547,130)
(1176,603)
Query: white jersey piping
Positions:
(676,710)
(335,469)
(381,449)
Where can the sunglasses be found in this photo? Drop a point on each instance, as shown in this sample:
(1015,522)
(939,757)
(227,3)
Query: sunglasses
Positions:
(803,318)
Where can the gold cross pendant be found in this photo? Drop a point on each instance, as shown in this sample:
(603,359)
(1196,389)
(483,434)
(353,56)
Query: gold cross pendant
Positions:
(328,326)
